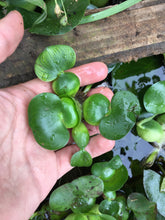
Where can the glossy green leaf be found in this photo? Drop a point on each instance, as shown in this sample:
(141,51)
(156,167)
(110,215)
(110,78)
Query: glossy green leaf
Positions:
(154,98)
(102,170)
(142,208)
(30,5)
(152,183)
(95,108)
(123,209)
(106,170)
(81,159)
(52,25)
(54,60)
(62,198)
(46,121)
(66,84)
(82,204)
(161,120)
(109,207)
(90,186)
(80,135)
(124,109)
(79,195)
(150,131)
(69,112)
(116,181)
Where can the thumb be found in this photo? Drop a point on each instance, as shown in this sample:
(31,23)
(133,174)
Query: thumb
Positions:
(11,33)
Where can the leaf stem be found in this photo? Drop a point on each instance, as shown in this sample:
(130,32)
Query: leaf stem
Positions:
(108,12)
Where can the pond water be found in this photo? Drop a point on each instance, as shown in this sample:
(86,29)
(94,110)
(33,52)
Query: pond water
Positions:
(135,77)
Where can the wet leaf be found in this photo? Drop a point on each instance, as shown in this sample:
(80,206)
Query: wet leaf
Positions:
(90,186)
(79,195)
(46,121)
(80,135)
(124,109)
(66,84)
(54,60)
(81,159)
(154,98)
(142,208)
(152,182)
(95,108)
(62,198)
(109,207)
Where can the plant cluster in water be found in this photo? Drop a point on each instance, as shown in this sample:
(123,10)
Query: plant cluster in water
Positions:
(52,114)
(107,192)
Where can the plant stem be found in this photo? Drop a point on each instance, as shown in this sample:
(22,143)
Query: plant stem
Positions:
(108,12)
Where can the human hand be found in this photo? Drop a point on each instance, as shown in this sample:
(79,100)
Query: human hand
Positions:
(27,171)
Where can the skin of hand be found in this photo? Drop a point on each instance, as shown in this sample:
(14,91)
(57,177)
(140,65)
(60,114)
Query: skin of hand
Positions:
(27,171)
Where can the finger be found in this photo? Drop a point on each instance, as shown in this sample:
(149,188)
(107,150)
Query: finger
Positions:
(87,73)
(98,145)
(11,33)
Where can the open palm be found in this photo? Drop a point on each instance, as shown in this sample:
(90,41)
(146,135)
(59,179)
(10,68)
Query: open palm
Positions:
(28,171)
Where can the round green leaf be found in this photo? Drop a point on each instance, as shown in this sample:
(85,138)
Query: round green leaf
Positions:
(62,198)
(88,186)
(54,60)
(154,98)
(81,159)
(102,170)
(46,121)
(109,207)
(80,135)
(151,182)
(69,112)
(66,84)
(116,181)
(82,204)
(150,131)
(75,216)
(124,108)
(95,108)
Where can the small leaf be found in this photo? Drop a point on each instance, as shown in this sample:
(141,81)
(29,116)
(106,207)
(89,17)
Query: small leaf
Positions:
(151,182)
(116,181)
(82,204)
(150,131)
(54,60)
(81,159)
(125,107)
(69,112)
(80,135)
(66,84)
(142,208)
(109,207)
(95,108)
(154,98)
